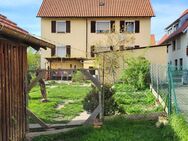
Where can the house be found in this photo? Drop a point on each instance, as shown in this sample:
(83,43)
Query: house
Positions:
(75,26)
(177,37)
(13,69)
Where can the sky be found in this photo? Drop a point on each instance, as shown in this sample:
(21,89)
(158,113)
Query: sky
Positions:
(23,12)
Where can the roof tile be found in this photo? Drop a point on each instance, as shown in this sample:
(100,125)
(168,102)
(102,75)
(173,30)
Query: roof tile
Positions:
(91,8)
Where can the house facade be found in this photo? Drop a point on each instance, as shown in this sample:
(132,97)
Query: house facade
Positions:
(177,37)
(76,26)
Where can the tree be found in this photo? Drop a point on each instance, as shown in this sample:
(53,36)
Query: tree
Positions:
(113,43)
(33,59)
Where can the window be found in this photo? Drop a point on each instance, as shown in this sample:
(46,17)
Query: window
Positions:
(176,64)
(60,51)
(170,30)
(61,27)
(71,66)
(103,26)
(68,51)
(181,63)
(129,27)
(175,27)
(174,45)
(178,44)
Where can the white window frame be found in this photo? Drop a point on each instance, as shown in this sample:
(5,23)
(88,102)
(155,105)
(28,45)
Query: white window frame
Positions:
(105,31)
(125,28)
(57,26)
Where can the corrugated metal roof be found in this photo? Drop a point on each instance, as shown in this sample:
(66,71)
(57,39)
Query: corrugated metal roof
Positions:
(96,8)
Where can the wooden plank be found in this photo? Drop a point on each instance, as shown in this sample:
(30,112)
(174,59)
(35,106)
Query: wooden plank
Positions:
(95,81)
(39,121)
(93,116)
(4,94)
(1,87)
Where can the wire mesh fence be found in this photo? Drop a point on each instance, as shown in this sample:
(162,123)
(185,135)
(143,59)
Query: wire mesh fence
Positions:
(171,84)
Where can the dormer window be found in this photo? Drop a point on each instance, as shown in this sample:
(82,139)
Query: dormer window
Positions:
(175,27)
(170,31)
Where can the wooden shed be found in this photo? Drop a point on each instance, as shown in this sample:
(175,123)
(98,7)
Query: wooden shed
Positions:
(13,68)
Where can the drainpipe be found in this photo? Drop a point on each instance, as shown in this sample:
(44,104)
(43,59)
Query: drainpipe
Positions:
(86,38)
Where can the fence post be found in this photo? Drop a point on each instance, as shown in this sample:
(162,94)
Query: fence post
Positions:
(169,91)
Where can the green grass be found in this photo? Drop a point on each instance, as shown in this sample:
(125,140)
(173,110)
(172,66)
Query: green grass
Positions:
(116,129)
(58,95)
(131,101)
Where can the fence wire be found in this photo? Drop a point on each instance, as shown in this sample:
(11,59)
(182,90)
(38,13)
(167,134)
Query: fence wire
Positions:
(171,84)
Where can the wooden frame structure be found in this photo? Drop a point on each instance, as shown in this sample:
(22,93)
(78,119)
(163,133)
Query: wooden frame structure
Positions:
(89,76)
(13,68)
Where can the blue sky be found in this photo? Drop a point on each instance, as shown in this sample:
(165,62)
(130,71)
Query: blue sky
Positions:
(23,12)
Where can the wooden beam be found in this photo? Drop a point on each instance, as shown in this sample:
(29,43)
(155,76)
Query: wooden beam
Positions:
(95,81)
(34,82)
(93,116)
(39,121)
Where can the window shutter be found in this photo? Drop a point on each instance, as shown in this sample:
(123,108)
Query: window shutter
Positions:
(92,51)
(137,26)
(68,27)
(53,52)
(68,51)
(112,24)
(53,26)
(122,28)
(93,25)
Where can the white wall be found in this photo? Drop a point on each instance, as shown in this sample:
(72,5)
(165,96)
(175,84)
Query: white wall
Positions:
(179,53)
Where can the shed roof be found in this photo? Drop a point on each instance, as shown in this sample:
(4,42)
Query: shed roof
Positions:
(96,8)
(9,29)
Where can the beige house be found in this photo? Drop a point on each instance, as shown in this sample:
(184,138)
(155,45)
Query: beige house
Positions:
(76,26)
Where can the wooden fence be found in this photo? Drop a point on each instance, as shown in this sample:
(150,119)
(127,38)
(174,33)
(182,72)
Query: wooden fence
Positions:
(13,67)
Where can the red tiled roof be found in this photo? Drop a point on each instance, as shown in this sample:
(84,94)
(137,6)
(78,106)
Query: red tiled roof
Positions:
(92,8)
(163,39)
(184,13)
(10,29)
(177,32)
(9,24)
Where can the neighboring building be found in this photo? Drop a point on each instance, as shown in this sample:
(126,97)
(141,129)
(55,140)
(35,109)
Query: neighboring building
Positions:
(177,37)
(75,26)
(152,40)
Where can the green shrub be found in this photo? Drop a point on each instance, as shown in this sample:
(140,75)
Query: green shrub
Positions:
(137,73)
(78,76)
(92,101)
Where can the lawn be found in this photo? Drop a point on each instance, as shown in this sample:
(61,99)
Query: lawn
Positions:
(131,101)
(116,129)
(70,96)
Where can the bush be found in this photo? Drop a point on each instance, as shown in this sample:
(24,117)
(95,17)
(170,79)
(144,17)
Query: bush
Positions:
(137,73)
(92,101)
(78,76)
